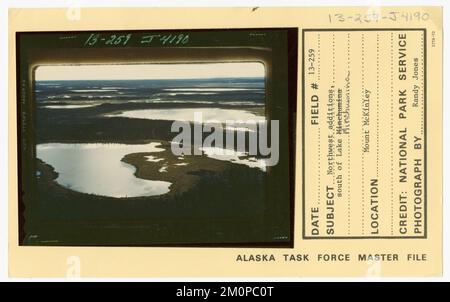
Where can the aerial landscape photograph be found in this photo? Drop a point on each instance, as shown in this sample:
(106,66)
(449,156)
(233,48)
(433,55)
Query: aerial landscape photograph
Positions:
(106,171)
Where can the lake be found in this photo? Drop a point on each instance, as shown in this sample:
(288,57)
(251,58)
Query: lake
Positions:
(97,169)
(187,114)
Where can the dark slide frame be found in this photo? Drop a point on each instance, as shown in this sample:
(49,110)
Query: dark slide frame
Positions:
(276,48)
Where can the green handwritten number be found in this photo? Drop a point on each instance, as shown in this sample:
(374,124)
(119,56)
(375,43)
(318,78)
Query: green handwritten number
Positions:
(185,39)
(110,40)
(123,38)
(164,39)
(118,40)
(87,40)
(92,40)
(127,38)
(179,38)
(173,39)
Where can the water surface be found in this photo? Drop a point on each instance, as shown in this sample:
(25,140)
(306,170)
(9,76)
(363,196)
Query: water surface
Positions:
(97,169)
(188,114)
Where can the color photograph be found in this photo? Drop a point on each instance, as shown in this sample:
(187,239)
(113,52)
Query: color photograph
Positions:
(168,152)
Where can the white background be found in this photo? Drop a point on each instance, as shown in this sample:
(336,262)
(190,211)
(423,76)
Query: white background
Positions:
(5,4)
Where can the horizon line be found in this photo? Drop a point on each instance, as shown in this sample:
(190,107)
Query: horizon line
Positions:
(187,79)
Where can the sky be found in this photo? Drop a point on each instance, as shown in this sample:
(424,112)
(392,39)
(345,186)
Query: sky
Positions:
(149,71)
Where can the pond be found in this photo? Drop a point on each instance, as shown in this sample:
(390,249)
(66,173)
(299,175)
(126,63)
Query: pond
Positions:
(187,114)
(96,168)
